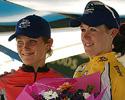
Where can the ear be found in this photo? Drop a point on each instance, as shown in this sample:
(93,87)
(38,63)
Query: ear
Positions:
(114,32)
(49,43)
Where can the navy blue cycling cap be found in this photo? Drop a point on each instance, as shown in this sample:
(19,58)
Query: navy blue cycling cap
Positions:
(32,26)
(97,13)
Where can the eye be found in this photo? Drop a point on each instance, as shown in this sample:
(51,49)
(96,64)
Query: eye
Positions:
(20,43)
(93,29)
(32,42)
(83,30)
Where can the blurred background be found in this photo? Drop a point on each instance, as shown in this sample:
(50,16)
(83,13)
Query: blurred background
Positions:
(68,51)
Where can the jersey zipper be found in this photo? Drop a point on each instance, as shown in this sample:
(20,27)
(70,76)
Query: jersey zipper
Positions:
(35,76)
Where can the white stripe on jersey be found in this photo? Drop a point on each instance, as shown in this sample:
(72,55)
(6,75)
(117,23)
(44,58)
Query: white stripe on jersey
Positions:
(105,82)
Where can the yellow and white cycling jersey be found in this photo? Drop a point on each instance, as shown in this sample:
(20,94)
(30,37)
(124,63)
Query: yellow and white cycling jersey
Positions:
(112,74)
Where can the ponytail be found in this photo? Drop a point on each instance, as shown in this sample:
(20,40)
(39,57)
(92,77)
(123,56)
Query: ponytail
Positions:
(119,41)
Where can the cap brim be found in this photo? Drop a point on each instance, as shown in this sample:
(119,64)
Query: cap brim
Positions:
(90,20)
(74,22)
(12,37)
(30,34)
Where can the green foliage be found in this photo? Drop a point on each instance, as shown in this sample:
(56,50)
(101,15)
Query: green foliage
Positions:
(68,65)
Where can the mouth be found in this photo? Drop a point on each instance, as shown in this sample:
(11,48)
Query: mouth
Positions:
(27,54)
(88,44)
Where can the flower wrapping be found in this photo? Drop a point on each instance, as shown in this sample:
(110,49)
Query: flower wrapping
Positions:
(53,84)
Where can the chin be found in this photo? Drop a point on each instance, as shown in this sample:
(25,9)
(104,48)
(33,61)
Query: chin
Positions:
(91,54)
(28,63)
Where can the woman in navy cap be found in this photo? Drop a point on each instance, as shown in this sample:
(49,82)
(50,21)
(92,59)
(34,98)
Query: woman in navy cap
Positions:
(99,25)
(34,42)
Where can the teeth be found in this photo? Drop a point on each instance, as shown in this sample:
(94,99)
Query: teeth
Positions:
(88,44)
(27,54)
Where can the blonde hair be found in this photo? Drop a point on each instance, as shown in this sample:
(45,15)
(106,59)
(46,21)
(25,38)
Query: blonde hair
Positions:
(50,51)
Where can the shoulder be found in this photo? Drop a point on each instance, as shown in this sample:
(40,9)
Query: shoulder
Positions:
(7,73)
(10,73)
(121,59)
(4,78)
(81,67)
(79,70)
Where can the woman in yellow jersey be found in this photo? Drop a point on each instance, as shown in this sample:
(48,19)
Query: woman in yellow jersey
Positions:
(99,25)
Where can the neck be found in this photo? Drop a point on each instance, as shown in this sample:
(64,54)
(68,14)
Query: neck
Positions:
(36,66)
(101,53)
(28,68)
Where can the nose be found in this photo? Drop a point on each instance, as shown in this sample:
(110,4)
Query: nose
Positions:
(26,45)
(85,35)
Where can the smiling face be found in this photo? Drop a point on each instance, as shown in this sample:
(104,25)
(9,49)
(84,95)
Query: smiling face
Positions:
(97,40)
(33,51)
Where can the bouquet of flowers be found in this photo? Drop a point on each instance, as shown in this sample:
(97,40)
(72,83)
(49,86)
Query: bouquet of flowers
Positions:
(84,88)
